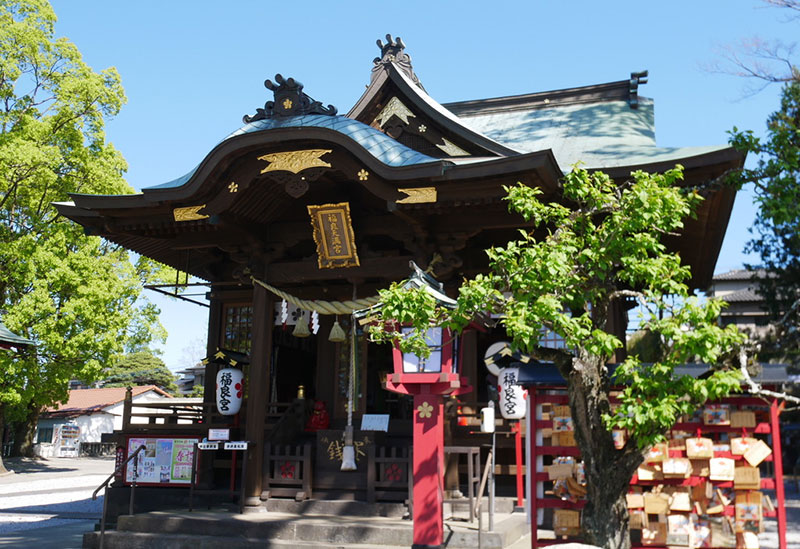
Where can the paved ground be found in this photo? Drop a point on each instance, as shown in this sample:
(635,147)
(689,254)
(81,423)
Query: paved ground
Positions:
(47,504)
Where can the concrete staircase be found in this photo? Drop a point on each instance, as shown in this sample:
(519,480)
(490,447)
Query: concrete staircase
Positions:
(284,524)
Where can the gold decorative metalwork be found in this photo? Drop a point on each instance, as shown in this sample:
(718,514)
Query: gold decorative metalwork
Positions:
(190,213)
(363,175)
(333,234)
(295,161)
(394,107)
(233,187)
(418,195)
(425,410)
(452,149)
(287,103)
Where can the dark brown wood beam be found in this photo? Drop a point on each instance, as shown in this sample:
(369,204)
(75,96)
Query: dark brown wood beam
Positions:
(389,268)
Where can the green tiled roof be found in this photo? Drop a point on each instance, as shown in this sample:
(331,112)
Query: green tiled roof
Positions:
(381,146)
(603,134)
(9,338)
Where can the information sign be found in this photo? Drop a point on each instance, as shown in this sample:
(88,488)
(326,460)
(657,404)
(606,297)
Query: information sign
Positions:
(375,422)
(219,434)
(208,445)
(236,445)
(164,460)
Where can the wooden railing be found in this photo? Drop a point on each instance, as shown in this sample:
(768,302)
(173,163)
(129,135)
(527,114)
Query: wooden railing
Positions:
(166,416)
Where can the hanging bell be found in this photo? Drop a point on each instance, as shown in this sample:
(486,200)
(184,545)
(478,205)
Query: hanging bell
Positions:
(301,328)
(337,334)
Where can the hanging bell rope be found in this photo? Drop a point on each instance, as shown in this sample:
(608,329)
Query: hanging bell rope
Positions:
(349,451)
(319,306)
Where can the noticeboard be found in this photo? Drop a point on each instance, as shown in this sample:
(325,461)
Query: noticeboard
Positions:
(166,461)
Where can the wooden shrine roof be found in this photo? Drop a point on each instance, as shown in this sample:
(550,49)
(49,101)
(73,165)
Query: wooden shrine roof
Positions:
(422,180)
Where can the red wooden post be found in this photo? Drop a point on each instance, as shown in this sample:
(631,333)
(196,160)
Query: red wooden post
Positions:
(517,427)
(428,466)
(533,500)
(775,428)
(428,387)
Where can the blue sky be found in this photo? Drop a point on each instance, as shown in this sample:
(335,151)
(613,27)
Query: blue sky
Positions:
(192,69)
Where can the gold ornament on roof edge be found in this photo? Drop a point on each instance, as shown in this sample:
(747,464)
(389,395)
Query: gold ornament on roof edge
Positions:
(295,161)
(418,195)
(190,213)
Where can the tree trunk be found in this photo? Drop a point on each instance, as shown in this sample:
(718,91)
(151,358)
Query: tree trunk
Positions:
(3,469)
(24,433)
(604,520)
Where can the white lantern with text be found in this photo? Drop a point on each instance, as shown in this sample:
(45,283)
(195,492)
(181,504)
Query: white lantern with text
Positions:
(511,395)
(230,390)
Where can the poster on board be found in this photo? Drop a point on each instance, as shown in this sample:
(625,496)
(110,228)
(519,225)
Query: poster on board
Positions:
(164,460)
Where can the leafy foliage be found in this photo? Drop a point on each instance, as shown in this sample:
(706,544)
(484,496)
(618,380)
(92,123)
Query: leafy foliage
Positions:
(598,247)
(76,297)
(142,368)
(776,180)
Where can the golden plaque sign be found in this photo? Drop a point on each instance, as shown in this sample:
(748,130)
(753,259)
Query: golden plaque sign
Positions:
(333,233)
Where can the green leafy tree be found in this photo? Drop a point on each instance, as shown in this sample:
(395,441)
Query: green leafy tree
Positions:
(78,298)
(141,368)
(600,244)
(776,180)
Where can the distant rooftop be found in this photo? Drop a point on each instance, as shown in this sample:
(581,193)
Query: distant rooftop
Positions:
(87,401)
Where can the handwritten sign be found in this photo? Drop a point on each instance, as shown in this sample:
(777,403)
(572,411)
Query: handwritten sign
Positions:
(333,234)
(375,422)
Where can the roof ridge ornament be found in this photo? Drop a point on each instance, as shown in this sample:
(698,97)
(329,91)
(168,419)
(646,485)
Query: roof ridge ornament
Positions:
(394,52)
(290,100)
(636,79)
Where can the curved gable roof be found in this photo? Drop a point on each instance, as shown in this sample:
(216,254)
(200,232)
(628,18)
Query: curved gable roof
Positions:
(379,145)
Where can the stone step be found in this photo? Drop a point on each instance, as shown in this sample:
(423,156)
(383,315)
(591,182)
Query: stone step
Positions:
(140,540)
(338,508)
(181,530)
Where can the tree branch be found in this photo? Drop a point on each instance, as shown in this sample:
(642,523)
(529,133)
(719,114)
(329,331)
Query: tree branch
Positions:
(755,388)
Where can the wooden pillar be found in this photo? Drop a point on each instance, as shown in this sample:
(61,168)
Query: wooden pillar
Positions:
(212,343)
(258,391)
(468,364)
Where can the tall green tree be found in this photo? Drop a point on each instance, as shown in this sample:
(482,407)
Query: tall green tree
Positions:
(141,368)
(776,231)
(599,245)
(76,297)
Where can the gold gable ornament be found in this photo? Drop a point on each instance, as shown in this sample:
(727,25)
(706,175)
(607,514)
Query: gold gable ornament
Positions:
(333,234)
(295,161)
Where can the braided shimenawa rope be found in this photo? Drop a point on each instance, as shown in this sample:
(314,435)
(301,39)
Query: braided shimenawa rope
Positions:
(321,307)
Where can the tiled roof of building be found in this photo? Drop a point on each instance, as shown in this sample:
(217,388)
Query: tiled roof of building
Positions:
(87,401)
(378,144)
(602,134)
(742,296)
(740,274)
(10,339)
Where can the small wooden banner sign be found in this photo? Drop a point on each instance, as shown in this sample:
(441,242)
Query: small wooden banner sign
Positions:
(333,234)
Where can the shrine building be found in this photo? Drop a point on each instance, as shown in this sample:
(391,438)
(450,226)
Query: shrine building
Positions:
(306,204)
